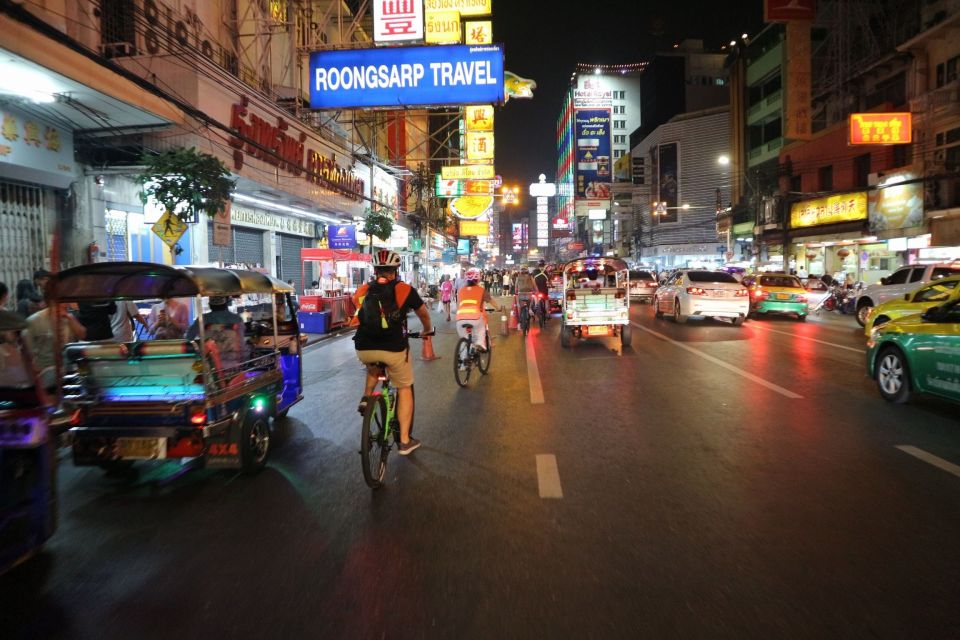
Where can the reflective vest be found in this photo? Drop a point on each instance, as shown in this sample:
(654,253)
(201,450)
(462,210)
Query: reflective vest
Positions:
(470,303)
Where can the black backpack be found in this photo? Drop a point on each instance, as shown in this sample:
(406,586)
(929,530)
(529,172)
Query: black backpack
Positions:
(380,314)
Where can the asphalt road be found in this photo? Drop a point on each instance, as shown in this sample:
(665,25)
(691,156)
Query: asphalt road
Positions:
(709,482)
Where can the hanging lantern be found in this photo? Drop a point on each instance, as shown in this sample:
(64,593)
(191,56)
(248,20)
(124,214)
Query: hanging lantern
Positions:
(811,256)
(843,253)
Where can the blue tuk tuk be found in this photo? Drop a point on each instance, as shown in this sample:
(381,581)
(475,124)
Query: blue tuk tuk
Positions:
(213,397)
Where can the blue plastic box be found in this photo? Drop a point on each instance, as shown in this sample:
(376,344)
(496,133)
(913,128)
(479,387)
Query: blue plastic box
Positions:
(314,321)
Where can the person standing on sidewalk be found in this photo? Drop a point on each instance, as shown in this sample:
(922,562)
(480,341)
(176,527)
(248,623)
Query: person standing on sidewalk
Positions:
(446,294)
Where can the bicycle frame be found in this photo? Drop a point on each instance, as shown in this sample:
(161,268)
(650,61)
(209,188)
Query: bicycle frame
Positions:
(389,395)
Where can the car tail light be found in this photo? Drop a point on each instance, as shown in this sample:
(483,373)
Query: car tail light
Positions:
(743,293)
(801,298)
(652,284)
(696,291)
(758,294)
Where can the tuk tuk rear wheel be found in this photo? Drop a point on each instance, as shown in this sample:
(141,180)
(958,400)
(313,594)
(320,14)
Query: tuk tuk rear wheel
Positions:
(254,443)
(626,335)
(566,337)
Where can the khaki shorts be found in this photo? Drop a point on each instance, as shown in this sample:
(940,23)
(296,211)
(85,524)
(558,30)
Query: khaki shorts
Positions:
(399,365)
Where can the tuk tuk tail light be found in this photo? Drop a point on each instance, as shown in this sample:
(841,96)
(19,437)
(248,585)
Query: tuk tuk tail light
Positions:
(198,416)
(571,295)
(621,293)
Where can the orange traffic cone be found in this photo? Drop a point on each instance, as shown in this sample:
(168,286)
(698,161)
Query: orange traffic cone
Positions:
(427,354)
(514,321)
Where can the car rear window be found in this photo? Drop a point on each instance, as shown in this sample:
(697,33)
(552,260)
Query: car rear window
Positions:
(943,272)
(711,276)
(779,281)
(641,275)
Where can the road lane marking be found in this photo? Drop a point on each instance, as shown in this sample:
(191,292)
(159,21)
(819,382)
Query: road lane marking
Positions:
(533,374)
(802,337)
(548,476)
(929,458)
(720,363)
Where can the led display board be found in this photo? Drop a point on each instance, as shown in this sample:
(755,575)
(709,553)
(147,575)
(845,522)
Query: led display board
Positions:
(406,76)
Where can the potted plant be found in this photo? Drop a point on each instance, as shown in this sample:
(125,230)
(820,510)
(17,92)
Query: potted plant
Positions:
(186,182)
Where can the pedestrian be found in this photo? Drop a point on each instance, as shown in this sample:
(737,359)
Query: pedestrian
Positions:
(506,283)
(446,294)
(168,320)
(40,335)
(123,322)
(96,317)
(30,294)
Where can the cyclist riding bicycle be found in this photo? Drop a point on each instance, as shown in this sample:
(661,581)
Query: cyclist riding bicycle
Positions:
(472,308)
(541,280)
(382,308)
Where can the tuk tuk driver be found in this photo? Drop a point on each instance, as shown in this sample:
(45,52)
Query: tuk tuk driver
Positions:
(219,314)
(472,307)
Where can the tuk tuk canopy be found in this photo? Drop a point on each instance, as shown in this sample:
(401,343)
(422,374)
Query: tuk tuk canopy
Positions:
(146,280)
(606,266)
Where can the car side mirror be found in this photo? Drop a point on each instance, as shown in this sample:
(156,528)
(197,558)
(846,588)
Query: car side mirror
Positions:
(883,281)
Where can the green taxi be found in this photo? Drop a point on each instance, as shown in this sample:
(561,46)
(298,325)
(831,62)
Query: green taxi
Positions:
(919,353)
(929,295)
(776,293)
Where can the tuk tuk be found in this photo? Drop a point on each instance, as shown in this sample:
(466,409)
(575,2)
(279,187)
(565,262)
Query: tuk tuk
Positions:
(212,397)
(28,492)
(595,300)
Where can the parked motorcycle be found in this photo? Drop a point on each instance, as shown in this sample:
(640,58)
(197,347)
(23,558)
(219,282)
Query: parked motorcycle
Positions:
(841,298)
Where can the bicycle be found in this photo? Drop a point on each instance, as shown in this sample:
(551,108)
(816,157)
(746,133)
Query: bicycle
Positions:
(466,356)
(540,309)
(380,424)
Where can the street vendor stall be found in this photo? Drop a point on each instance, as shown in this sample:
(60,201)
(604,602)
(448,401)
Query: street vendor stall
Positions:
(341,272)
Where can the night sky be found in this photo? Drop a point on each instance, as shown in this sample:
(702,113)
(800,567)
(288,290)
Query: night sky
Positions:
(545,44)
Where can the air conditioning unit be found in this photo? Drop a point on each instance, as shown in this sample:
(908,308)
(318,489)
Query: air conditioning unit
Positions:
(117,49)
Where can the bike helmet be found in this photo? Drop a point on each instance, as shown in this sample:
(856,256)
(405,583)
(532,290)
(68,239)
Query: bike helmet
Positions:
(524,269)
(386,258)
(474,274)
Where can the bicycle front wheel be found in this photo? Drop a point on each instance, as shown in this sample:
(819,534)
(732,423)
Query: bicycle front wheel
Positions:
(461,362)
(483,362)
(373,442)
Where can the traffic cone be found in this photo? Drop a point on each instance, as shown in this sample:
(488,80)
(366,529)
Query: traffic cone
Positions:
(514,322)
(427,354)
(504,331)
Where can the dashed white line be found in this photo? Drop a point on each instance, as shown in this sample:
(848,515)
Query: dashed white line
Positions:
(548,476)
(929,458)
(533,374)
(803,337)
(720,363)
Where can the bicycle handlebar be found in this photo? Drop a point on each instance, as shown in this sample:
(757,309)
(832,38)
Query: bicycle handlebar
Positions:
(418,334)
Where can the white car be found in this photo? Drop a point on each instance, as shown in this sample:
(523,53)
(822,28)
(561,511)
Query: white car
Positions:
(702,294)
(900,282)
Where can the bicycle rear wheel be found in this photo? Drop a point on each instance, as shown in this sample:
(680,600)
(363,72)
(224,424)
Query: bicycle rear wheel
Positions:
(541,314)
(461,362)
(373,444)
(524,320)
(483,362)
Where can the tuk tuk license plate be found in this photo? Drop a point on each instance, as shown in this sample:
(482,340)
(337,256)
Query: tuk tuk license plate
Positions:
(142,448)
(597,331)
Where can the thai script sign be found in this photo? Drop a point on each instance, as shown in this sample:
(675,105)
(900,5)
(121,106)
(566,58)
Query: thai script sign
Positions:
(467,172)
(881,128)
(406,76)
(465,7)
(592,133)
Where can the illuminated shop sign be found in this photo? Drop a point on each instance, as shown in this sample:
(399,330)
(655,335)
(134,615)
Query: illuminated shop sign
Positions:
(465,7)
(284,146)
(844,207)
(397,20)
(467,172)
(406,76)
(881,128)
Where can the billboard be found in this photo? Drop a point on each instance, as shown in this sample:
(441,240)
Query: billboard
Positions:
(406,76)
(881,128)
(668,184)
(341,236)
(797,99)
(464,7)
(467,172)
(479,117)
(474,228)
(479,145)
(443,27)
(478,32)
(592,134)
(844,207)
(463,246)
(519,236)
(897,203)
(397,20)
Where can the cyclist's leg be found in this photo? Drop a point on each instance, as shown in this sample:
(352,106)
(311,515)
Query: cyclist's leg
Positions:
(372,374)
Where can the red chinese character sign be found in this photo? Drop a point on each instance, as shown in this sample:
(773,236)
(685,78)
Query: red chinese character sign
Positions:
(789,10)
(881,128)
(397,20)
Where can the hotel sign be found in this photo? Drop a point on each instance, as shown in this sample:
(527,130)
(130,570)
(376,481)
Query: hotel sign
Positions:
(881,128)
(844,207)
